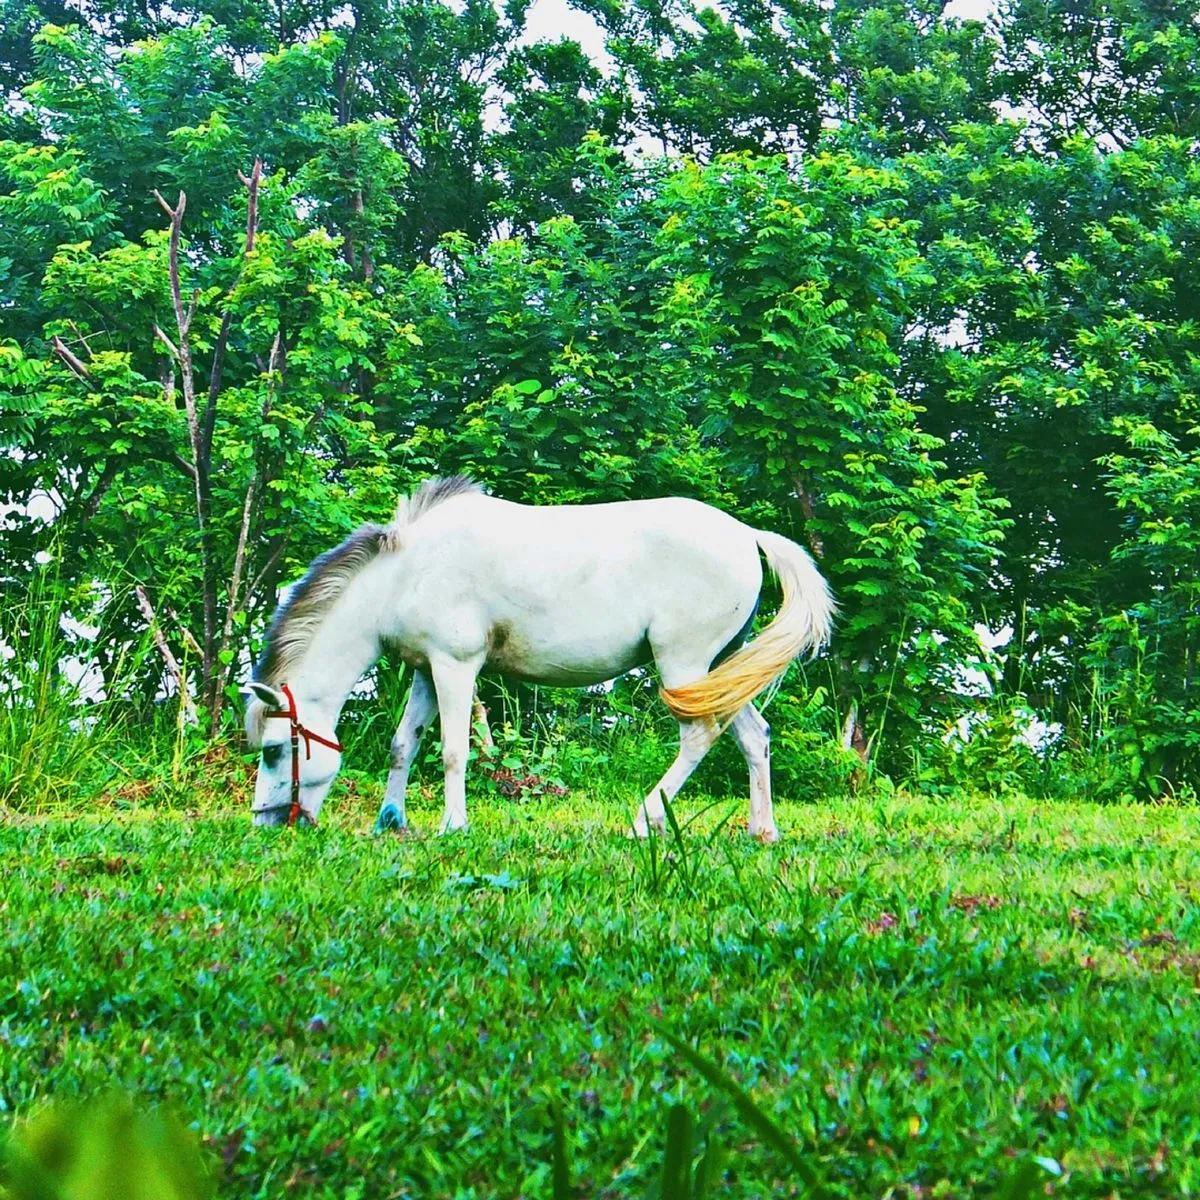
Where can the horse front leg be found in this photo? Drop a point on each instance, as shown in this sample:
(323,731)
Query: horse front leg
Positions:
(418,712)
(454,682)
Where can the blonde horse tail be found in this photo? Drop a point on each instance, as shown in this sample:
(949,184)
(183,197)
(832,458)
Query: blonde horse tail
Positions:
(803,623)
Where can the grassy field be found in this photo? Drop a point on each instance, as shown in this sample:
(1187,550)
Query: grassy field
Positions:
(928,996)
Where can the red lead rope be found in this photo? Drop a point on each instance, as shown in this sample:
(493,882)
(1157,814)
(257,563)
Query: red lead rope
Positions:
(298,732)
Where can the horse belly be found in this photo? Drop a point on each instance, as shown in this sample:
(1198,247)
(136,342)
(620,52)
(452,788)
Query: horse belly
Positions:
(521,652)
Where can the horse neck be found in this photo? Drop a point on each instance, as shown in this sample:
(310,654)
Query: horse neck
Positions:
(344,647)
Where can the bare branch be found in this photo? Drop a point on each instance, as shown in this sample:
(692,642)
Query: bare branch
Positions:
(480,725)
(815,542)
(75,364)
(239,557)
(188,709)
(368,267)
(188,639)
(185,466)
(218,360)
(201,427)
(166,341)
(260,578)
(239,560)
(103,484)
(81,336)
(176,215)
(251,182)
(848,726)
(182,351)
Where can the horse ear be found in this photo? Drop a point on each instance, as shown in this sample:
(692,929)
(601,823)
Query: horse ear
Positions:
(268,695)
(255,722)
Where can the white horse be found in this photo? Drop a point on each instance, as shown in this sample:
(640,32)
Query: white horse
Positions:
(567,595)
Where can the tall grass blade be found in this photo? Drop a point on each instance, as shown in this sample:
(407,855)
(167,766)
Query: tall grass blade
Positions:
(686,867)
(709,1169)
(53,738)
(766,1128)
(677,1161)
(561,1161)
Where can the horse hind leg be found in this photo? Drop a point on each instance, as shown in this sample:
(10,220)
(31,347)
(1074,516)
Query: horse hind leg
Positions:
(695,740)
(754,737)
(418,713)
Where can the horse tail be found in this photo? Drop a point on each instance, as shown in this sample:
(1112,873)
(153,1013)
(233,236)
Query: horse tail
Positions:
(803,623)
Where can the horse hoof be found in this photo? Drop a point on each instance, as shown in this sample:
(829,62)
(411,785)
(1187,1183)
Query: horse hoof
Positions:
(390,820)
(768,837)
(643,832)
(447,829)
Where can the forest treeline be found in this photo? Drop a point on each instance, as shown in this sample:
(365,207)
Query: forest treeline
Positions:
(917,291)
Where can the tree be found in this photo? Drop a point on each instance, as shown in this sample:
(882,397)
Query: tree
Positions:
(1112,72)
(792,299)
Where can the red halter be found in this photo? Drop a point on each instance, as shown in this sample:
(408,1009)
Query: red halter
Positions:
(298,731)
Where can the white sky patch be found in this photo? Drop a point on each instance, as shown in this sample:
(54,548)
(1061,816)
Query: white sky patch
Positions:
(969,10)
(552,20)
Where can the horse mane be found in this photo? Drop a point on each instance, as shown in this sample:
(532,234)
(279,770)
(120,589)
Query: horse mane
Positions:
(429,495)
(296,620)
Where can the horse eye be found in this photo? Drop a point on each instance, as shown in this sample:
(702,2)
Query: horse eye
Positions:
(270,755)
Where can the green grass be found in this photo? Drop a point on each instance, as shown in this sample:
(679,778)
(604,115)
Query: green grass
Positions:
(926,996)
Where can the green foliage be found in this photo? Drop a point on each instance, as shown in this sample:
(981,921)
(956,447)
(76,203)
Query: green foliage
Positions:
(55,740)
(46,200)
(792,296)
(1064,292)
(707,82)
(1142,84)
(808,758)
(912,289)
(997,748)
(1146,658)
